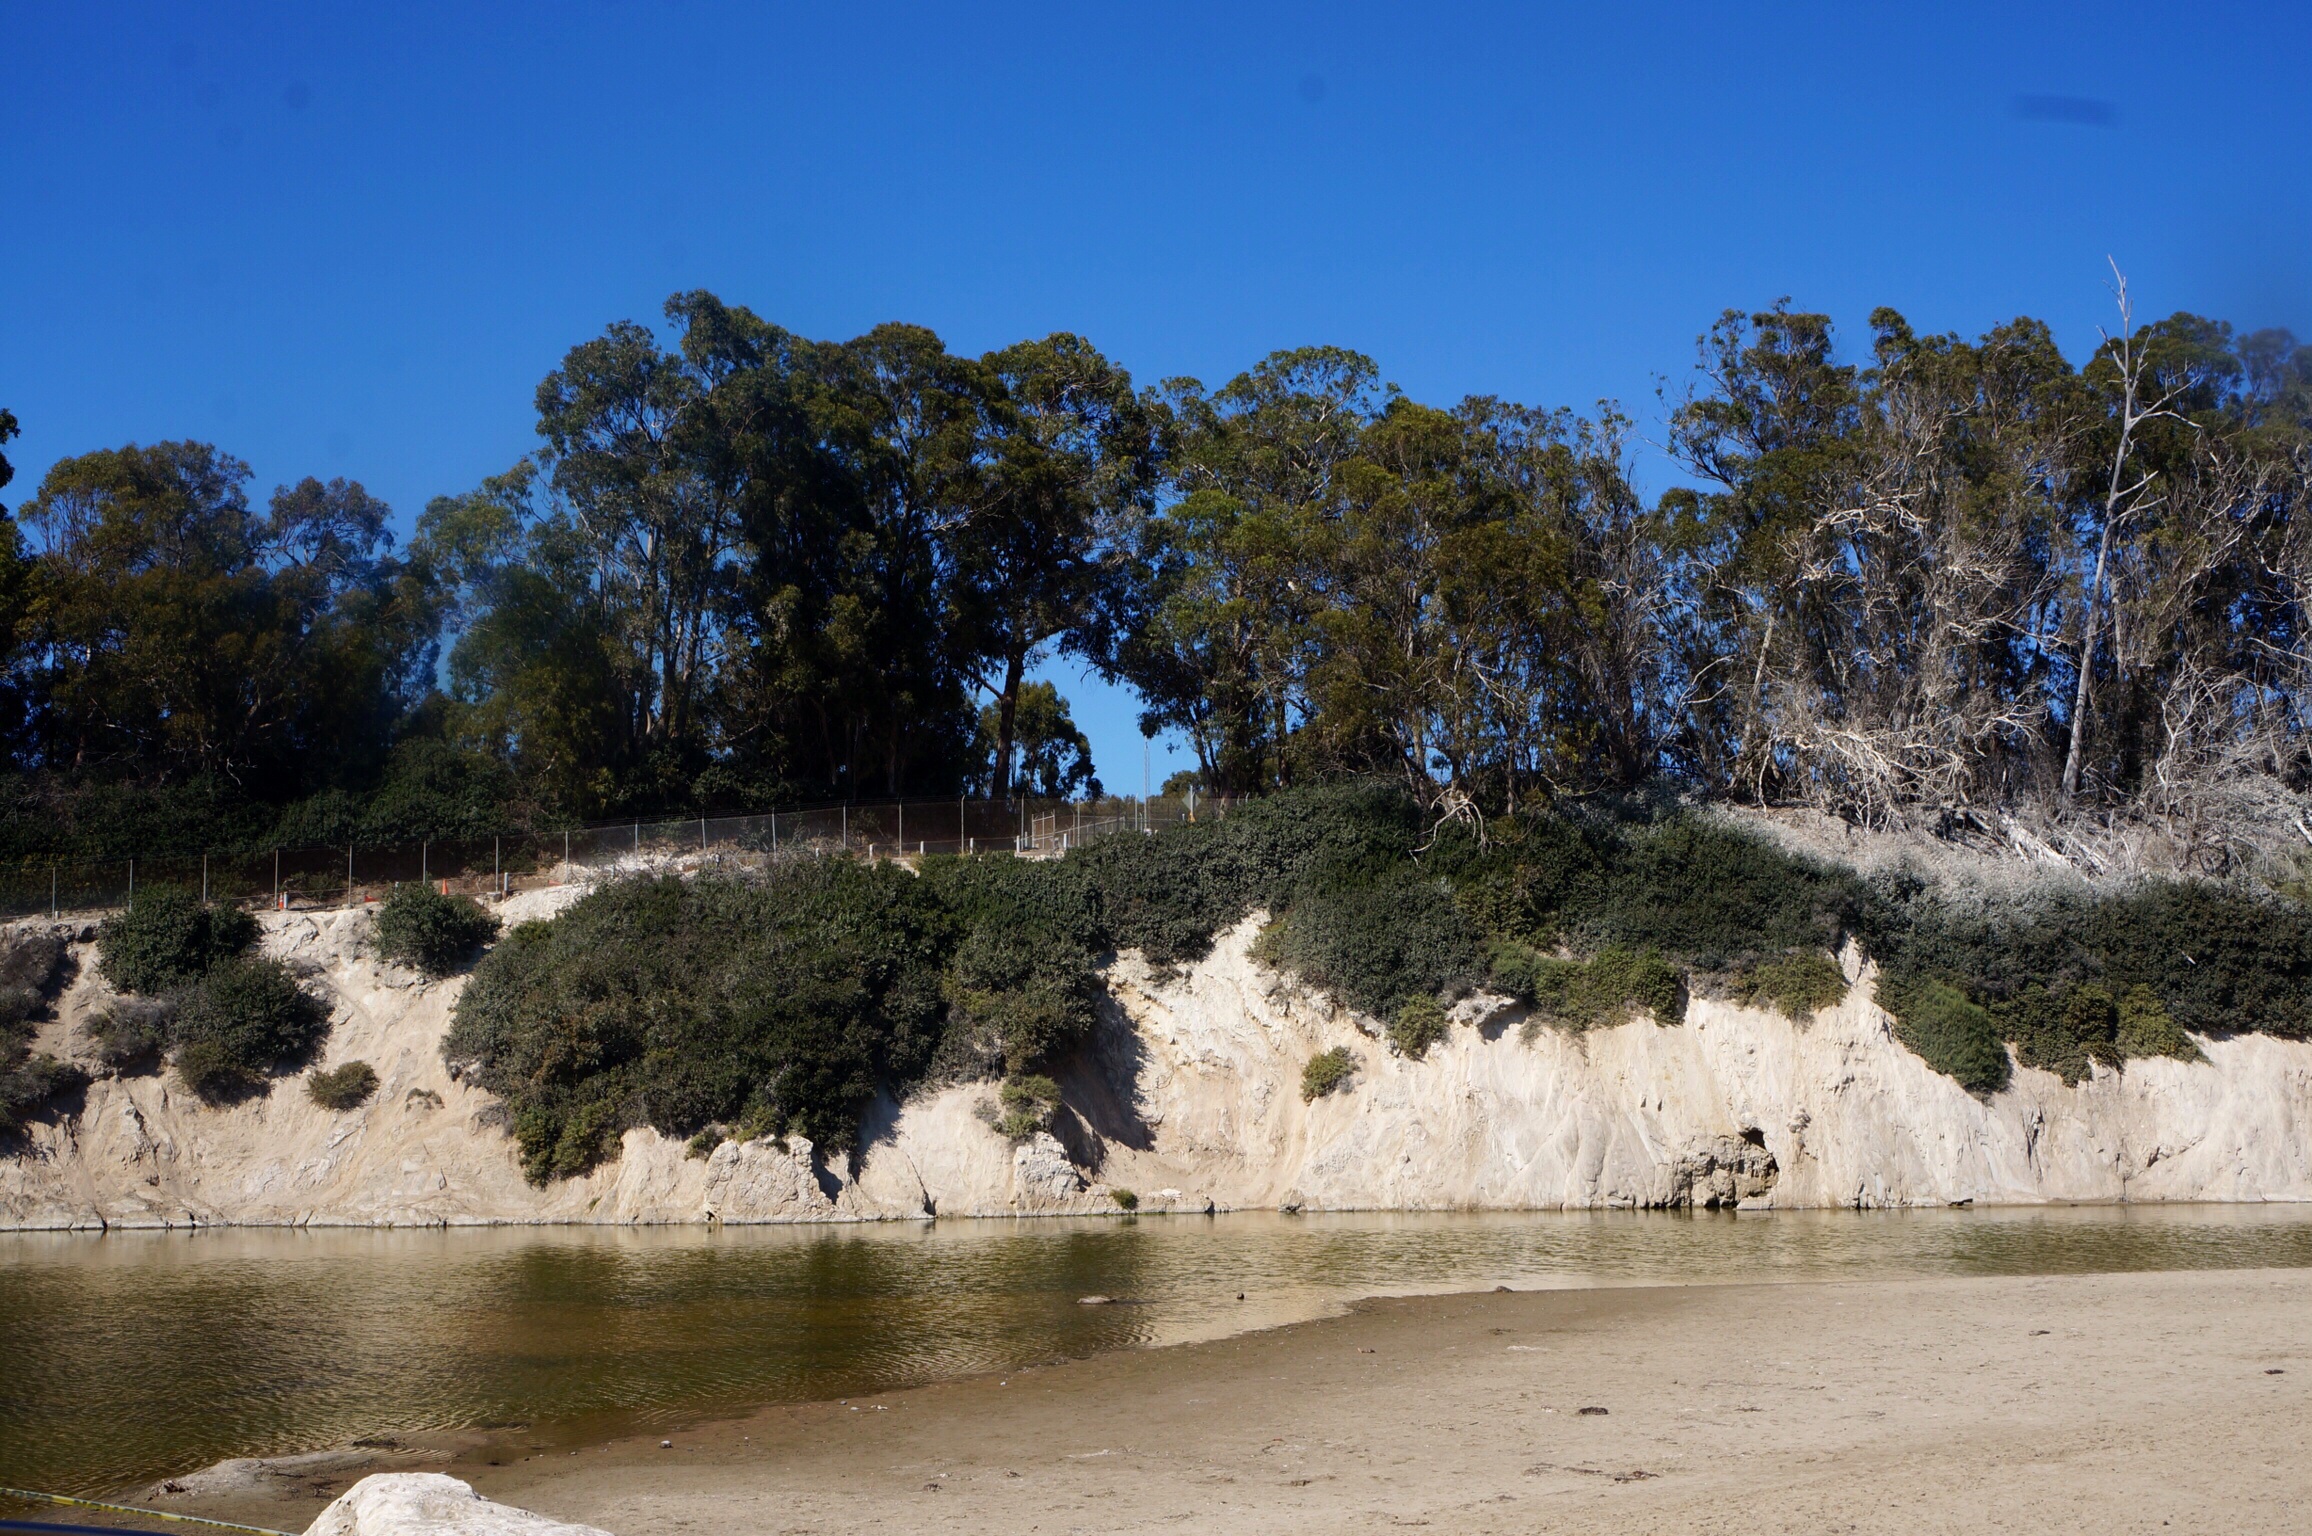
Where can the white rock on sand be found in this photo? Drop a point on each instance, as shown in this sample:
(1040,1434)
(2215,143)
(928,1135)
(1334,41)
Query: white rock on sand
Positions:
(430,1504)
(1192,1090)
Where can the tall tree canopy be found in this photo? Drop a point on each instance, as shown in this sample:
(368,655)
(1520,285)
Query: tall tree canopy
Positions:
(1945,582)
(173,630)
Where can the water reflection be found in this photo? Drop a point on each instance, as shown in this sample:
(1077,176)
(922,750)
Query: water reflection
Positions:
(133,1355)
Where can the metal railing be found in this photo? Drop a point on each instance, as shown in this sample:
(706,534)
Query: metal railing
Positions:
(517,861)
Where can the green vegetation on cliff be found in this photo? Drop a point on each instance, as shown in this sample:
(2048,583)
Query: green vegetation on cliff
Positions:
(229,1020)
(782,1003)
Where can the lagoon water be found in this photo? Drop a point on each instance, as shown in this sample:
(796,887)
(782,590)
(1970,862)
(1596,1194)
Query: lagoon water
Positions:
(125,1357)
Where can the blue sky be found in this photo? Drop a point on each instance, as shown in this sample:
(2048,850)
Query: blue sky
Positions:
(341,242)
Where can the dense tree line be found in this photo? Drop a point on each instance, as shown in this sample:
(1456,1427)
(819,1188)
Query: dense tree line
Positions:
(1958,584)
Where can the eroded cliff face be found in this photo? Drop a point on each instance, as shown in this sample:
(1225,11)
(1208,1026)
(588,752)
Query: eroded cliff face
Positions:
(1190,1097)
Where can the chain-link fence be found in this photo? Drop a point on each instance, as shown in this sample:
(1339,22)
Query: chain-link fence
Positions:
(519,861)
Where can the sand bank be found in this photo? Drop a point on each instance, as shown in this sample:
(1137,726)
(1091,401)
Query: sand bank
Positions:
(2135,1402)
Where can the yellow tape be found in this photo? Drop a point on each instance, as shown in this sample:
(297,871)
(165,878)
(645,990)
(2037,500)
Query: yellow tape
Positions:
(131,1509)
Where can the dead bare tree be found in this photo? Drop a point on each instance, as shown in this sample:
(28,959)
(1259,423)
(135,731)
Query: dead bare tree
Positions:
(2123,499)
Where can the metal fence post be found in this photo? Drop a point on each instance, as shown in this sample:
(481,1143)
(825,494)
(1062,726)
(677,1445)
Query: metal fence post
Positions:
(702,834)
(902,826)
(276,879)
(425,860)
(497,869)
(565,858)
(132,883)
(846,826)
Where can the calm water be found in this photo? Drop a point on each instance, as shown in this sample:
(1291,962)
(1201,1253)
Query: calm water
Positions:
(129,1356)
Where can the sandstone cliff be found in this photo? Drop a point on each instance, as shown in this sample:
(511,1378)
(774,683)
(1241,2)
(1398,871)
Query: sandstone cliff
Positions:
(1190,1098)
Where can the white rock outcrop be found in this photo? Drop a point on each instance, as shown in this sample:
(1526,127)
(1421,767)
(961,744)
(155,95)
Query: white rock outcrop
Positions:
(430,1504)
(1190,1095)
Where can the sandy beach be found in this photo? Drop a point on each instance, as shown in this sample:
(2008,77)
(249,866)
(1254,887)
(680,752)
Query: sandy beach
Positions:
(2132,1402)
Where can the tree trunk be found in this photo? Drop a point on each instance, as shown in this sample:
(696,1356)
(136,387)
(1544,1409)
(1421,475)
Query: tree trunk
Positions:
(1006,711)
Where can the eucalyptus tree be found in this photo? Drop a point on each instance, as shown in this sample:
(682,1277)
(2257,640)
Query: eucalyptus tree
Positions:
(177,633)
(1222,634)
(632,455)
(1069,472)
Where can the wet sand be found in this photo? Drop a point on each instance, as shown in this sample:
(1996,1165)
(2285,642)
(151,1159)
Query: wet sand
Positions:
(2133,1402)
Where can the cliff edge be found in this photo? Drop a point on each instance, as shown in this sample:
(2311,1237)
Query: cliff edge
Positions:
(1190,1097)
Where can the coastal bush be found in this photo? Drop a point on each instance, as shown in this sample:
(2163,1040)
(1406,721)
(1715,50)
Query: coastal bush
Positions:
(1796,985)
(1326,1072)
(1014,1001)
(776,1005)
(1605,989)
(1169,895)
(1378,940)
(228,1019)
(342,1088)
(32,962)
(1947,1031)
(1027,1103)
(132,1032)
(238,1024)
(1125,1199)
(2146,1028)
(29,1080)
(2067,1028)
(167,939)
(422,928)
(1690,888)
(782,1004)
(1417,1024)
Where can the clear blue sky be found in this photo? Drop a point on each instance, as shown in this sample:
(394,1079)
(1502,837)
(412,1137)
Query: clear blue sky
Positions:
(351,244)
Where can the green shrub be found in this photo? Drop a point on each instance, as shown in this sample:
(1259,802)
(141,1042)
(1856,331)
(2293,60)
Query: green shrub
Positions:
(783,1005)
(2066,1028)
(168,939)
(28,1081)
(19,1005)
(1689,887)
(1378,940)
(2147,1029)
(778,1005)
(343,1088)
(1125,1199)
(428,931)
(243,1020)
(132,1032)
(1170,894)
(704,1143)
(567,1143)
(1327,1071)
(2219,961)
(1947,1031)
(1797,985)
(31,961)
(1015,999)
(1417,1024)
(1033,1092)
(30,964)
(1606,989)
(1028,1103)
